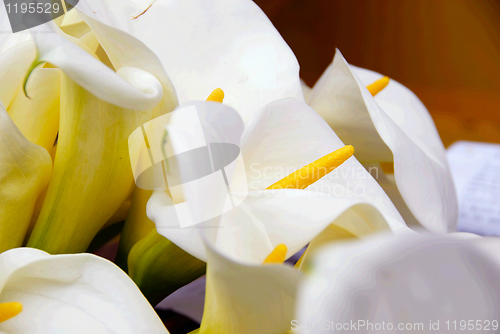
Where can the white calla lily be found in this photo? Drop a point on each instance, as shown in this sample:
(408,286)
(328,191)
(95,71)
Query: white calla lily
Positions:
(207,44)
(412,280)
(80,293)
(282,137)
(392,126)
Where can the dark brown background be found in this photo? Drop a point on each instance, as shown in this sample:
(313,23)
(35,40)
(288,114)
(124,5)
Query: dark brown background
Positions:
(446,51)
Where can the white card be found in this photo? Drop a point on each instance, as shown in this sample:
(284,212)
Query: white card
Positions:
(475,168)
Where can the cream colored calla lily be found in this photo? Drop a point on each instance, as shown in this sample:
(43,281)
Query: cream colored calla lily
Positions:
(25,170)
(99,109)
(37,116)
(231,45)
(115,41)
(414,280)
(17,53)
(283,136)
(155,276)
(64,223)
(392,126)
(80,293)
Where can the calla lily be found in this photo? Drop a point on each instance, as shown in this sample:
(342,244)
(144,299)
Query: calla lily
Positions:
(283,136)
(114,41)
(89,185)
(204,44)
(238,49)
(394,126)
(156,275)
(25,170)
(37,116)
(80,293)
(17,53)
(413,280)
(258,66)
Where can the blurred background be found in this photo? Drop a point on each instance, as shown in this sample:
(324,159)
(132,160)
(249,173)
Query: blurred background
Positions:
(446,51)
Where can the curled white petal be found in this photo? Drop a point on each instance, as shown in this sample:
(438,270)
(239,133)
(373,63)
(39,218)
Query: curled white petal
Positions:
(143,81)
(142,92)
(77,293)
(393,126)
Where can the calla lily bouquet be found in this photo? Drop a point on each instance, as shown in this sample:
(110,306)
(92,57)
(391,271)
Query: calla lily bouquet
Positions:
(184,128)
